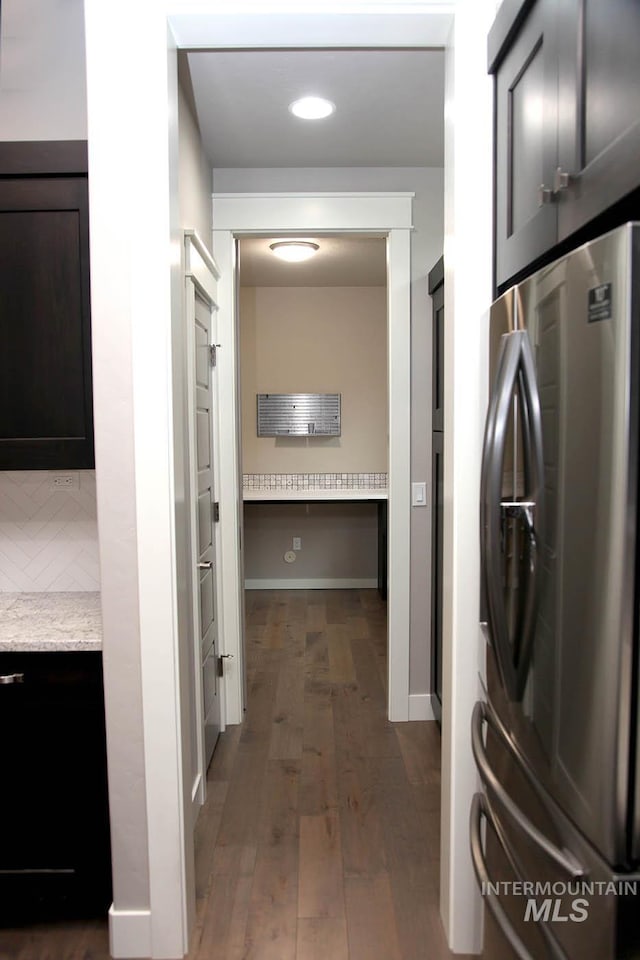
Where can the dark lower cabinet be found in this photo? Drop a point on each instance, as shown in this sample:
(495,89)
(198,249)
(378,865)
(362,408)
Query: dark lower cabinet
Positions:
(54,826)
(46,411)
(382,548)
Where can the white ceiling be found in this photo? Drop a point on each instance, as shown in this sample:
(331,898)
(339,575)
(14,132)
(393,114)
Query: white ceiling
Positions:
(346,261)
(390,107)
(389,113)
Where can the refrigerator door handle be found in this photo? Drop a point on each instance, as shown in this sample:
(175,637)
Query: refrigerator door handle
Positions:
(516,369)
(563,858)
(480,807)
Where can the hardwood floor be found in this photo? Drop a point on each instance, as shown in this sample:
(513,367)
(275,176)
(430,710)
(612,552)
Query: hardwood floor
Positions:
(319,839)
(325,815)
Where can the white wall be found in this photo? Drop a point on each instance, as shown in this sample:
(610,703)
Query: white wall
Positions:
(467,252)
(42,70)
(426,248)
(194,171)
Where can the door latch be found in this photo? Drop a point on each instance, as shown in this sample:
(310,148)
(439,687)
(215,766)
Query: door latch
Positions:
(221,659)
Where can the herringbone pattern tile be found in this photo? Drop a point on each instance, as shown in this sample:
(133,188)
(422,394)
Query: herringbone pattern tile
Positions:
(48,537)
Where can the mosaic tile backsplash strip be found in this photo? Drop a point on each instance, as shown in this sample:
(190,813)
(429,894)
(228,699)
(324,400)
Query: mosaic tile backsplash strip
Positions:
(48,536)
(314,481)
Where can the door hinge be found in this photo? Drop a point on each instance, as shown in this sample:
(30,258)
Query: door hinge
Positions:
(216,512)
(221,659)
(213,353)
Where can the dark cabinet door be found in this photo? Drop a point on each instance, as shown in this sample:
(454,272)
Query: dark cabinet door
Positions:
(599,107)
(526,144)
(46,413)
(54,828)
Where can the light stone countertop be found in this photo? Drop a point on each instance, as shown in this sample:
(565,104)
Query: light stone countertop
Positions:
(50,621)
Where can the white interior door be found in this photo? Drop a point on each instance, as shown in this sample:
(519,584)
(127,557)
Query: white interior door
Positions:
(206,507)
(200,291)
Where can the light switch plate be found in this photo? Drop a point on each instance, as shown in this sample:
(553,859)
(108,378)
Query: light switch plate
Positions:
(419,494)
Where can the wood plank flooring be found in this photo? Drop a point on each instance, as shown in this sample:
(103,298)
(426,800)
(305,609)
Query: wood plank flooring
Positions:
(327,840)
(319,839)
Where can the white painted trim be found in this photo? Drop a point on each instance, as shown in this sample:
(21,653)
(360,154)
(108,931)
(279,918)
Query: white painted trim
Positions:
(337,24)
(129,933)
(200,271)
(313,583)
(380,213)
(230,480)
(197,243)
(399,515)
(467,282)
(363,212)
(420,707)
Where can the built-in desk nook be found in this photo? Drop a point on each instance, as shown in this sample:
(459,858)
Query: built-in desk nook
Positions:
(315,445)
(345,521)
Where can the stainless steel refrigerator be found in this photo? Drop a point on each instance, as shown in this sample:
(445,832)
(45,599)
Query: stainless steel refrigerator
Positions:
(555,833)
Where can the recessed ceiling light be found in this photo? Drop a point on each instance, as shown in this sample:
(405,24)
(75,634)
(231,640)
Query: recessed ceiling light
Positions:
(294,251)
(312,108)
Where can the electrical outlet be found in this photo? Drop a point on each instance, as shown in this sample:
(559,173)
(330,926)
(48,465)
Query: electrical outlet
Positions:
(64,481)
(297,543)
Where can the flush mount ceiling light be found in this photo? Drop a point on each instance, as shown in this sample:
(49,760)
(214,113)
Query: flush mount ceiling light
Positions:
(312,108)
(294,251)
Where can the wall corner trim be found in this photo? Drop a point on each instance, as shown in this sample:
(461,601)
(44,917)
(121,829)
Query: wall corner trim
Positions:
(420,707)
(129,933)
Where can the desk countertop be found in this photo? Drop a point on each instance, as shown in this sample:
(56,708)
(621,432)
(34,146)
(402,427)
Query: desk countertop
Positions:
(50,622)
(262,494)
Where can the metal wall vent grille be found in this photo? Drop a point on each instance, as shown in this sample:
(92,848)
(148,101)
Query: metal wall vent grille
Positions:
(298,414)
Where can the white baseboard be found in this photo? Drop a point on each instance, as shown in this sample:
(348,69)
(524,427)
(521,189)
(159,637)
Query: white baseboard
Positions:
(129,933)
(420,707)
(320,583)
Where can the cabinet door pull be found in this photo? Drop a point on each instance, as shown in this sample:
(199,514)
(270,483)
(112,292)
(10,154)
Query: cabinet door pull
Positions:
(561,180)
(545,195)
(12,678)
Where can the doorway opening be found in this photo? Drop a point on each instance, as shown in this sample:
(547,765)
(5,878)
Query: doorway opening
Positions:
(312,367)
(384,215)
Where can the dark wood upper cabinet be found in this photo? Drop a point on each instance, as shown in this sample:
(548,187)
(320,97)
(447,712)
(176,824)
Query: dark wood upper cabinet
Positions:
(567,122)
(46,412)
(526,124)
(599,103)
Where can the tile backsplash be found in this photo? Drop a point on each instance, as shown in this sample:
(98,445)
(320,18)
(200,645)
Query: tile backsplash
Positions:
(314,481)
(48,534)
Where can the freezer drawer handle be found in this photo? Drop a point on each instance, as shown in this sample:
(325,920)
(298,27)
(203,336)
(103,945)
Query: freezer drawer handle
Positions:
(480,807)
(563,858)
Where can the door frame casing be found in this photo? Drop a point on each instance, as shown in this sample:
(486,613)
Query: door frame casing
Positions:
(390,214)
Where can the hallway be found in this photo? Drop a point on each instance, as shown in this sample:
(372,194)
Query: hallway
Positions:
(320,836)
